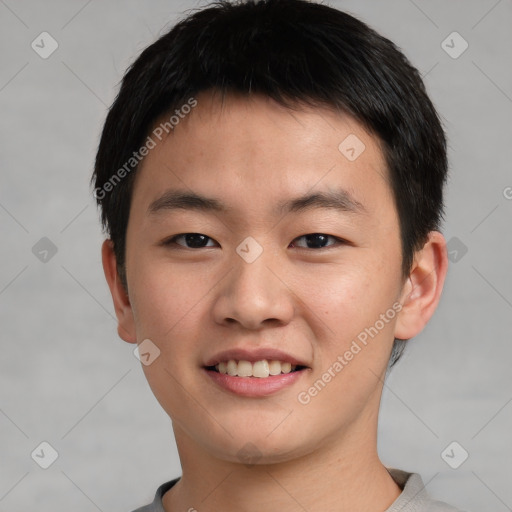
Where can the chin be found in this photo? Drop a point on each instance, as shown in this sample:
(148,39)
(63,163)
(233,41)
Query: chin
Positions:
(253,448)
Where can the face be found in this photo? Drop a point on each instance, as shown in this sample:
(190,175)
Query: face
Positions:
(260,234)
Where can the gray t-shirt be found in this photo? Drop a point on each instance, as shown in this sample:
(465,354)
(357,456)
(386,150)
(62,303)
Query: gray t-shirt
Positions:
(414,497)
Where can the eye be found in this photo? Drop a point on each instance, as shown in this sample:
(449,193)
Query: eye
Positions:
(198,241)
(317,241)
(194,240)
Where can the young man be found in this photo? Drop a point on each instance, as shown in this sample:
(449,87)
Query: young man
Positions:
(271,180)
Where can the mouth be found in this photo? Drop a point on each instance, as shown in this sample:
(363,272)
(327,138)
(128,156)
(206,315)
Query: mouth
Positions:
(261,369)
(259,372)
(257,378)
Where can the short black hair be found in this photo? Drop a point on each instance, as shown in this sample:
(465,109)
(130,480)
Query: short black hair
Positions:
(294,52)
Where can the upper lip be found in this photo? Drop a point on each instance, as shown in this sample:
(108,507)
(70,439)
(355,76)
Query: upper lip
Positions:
(258,354)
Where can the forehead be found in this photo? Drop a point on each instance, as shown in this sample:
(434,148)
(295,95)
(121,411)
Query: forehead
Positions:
(254,155)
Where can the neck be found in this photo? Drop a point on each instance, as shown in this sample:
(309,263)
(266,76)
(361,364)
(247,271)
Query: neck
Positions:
(343,474)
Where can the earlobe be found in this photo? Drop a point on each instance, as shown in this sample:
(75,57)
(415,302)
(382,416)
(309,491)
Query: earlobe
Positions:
(122,306)
(422,290)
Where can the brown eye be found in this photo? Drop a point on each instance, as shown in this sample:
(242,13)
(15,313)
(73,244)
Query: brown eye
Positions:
(317,241)
(191,240)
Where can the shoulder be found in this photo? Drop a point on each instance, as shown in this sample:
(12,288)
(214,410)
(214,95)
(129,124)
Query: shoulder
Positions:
(156,505)
(414,497)
(438,506)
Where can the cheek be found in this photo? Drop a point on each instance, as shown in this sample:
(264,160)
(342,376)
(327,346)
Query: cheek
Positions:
(166,304)
(355,318)
(353,352)
(163,297)
(346,298)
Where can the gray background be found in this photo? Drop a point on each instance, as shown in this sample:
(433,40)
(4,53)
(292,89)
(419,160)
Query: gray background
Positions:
(65,376)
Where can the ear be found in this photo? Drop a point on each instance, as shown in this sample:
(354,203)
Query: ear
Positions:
(122,306)
(422,290)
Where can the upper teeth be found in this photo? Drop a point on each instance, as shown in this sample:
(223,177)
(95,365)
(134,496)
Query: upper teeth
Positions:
(259,369)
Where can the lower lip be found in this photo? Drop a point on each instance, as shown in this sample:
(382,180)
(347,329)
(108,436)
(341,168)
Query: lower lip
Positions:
(254,386)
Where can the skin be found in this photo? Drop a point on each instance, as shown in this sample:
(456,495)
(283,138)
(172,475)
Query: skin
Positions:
(309,302)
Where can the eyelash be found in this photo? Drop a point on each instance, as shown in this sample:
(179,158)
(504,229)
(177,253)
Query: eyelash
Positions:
(339,241)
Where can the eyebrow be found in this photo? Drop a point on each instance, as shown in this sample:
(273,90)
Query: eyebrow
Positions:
(339,199)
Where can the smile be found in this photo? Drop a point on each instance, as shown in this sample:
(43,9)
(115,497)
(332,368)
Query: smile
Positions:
(259,369)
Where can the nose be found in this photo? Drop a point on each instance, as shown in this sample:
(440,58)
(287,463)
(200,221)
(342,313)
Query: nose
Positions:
(255,295)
